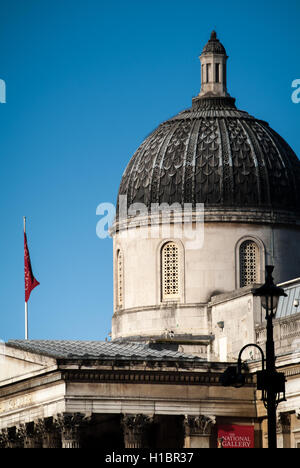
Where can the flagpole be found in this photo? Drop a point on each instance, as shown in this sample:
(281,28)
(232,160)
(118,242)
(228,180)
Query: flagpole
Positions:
(26,303)
(26,321)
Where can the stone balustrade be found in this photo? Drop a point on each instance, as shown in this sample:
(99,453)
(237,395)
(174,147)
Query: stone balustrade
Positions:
(286,334)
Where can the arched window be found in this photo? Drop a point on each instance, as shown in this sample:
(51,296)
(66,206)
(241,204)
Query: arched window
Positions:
(249,263)
(170,271)
(120,280)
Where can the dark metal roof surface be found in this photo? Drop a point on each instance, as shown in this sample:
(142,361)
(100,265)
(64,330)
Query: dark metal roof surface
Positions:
(289,305)
(64,349)
(218,155)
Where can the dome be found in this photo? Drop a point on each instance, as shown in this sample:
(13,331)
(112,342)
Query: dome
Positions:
(215,154)
(237,184)
(214,45)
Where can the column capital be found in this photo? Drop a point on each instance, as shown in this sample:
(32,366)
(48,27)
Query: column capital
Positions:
(21,435)
(3,438)
(283,430)
(134,429)
(49,433)
(283,423)
(9,438)
(70,425)
(28,435)
(42,426)
(198,425)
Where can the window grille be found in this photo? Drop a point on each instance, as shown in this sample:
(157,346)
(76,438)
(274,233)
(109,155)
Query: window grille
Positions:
(120,279)
(249,263)
(170,271)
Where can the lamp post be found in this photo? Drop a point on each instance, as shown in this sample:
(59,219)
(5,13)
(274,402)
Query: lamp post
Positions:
(269,381)
(270,294)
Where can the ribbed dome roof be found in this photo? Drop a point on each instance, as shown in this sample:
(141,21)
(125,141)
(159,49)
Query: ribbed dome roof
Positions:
(216,155)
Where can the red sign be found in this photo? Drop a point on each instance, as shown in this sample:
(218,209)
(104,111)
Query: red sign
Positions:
(234,436)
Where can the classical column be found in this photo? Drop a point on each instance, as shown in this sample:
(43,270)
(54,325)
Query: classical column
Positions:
(70,425)
(48,432)
(198,431)
(135,430)
(283,430)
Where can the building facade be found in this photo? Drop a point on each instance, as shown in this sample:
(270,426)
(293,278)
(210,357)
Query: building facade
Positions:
(209,199)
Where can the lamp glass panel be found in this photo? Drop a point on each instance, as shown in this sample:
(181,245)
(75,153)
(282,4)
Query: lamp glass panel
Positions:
(270,302)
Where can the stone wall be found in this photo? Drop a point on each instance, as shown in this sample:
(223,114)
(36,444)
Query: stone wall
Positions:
(286,334)
(208,270)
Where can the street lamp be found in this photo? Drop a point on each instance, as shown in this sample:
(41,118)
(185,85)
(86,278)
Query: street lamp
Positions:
(269,381)
(272,382)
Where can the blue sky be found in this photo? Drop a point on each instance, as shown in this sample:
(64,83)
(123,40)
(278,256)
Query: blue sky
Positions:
(86,82)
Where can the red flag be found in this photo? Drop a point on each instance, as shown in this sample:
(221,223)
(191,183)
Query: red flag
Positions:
(30,281)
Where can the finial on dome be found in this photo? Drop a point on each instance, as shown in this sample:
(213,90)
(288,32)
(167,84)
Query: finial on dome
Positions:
(214,46)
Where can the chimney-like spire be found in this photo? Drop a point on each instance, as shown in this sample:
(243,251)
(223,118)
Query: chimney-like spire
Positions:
(213,68)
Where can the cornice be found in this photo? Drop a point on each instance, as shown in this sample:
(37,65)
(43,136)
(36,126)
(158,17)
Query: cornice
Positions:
(162,306)
(237,293)
(31,383)
(209,214)
(148,377)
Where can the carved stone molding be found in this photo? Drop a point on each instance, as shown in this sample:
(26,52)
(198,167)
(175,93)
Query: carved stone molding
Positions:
(134,429)
(150,377)
(198,425)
